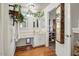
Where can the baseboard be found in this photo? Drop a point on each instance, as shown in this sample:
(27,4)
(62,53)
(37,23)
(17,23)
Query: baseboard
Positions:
(22,48)
(33,47)
(39,46)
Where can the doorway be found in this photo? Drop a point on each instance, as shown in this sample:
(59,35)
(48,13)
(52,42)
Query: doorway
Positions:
(52,29)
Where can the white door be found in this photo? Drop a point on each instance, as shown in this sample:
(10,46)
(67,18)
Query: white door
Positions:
(67,30)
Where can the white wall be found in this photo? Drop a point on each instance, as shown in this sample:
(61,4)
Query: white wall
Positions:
(52,15)
(74,14)
(61,49)
(8,41)
(74,22)
(1,40)
(4,30)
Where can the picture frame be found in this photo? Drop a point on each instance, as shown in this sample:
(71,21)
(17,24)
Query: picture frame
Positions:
(60,23)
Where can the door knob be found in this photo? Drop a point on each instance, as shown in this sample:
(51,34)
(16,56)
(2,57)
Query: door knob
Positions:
(68,35)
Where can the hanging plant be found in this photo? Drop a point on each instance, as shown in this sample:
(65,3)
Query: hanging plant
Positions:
(19,17)
(17,7)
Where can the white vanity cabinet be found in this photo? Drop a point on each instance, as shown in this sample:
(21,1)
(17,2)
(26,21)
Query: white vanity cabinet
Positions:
(42,38)
(38,42)
(39,33)
(38,36)
(39,39)
(31,30)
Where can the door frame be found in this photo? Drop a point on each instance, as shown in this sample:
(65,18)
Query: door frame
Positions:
(49,8)
(52,20)
(67,20)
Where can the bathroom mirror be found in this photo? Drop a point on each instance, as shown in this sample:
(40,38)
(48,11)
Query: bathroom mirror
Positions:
(37,21)
(42,23)
(24,25)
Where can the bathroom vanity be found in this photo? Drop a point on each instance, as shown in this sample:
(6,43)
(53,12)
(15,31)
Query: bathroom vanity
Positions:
(31,30)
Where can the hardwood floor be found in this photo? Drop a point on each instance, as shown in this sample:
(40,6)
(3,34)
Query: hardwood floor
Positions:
(40,51)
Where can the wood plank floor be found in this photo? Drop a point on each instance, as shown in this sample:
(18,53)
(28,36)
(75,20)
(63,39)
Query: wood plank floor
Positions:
(40,51)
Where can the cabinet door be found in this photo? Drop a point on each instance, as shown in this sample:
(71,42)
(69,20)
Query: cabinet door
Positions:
(36,41)
(60,23)
(42,38)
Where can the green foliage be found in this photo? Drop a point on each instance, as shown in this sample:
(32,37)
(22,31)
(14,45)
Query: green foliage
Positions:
(20,18)
(38,14)
(17,7)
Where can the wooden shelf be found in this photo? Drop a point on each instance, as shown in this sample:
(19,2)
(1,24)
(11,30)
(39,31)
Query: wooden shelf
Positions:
(14,13)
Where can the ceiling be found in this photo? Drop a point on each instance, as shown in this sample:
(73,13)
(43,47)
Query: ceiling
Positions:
(39,6)
(42,5)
